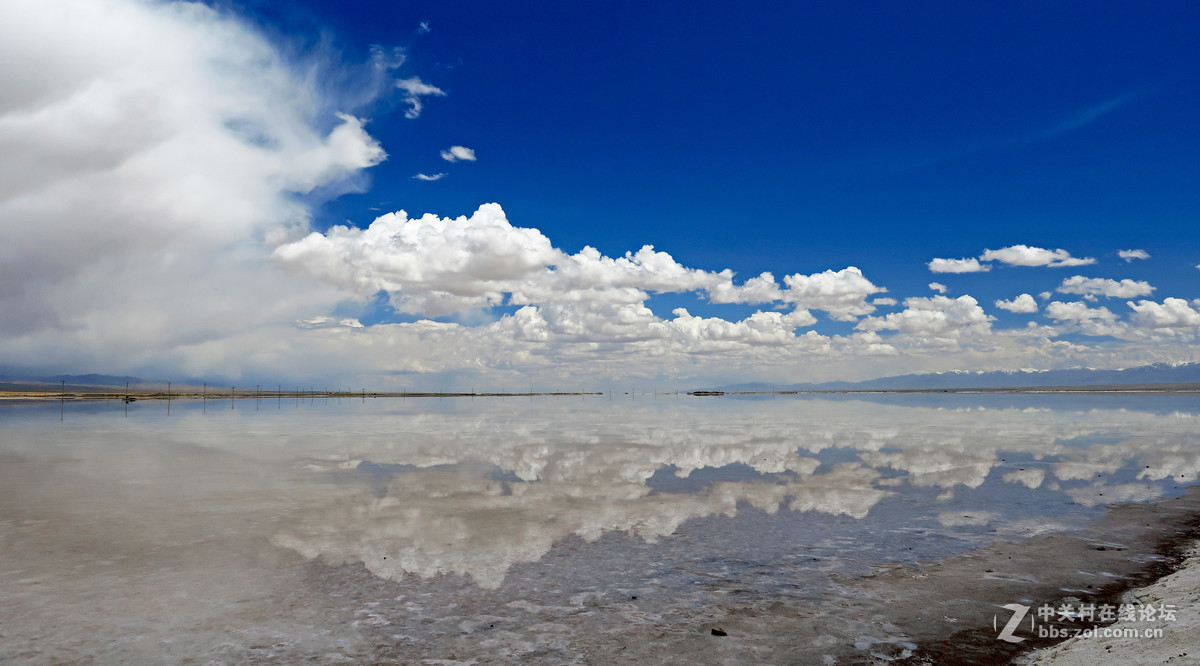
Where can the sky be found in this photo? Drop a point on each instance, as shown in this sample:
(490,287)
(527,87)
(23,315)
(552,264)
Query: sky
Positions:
(468,194)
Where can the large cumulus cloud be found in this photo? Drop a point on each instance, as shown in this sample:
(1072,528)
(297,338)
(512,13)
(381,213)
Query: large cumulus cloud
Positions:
(436,266)
(150,154)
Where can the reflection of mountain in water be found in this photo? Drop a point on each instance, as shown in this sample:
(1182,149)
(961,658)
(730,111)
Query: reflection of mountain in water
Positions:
(476,492)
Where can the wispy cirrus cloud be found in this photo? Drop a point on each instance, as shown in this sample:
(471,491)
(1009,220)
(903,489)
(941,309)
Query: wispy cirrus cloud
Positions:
(414,89)
(430,177)
(1084,117)
(974,145)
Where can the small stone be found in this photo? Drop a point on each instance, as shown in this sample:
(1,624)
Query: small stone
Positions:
(718,632)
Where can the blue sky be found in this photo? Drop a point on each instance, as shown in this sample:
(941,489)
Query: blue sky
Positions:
(797,139)
(616,125)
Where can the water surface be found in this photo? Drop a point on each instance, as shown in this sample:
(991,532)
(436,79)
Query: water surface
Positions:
(549,530)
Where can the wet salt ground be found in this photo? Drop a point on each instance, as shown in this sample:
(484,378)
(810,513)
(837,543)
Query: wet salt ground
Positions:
(510,530)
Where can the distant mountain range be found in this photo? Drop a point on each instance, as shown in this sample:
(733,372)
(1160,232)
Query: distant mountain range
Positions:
(91,380)
(1158,373)
(71,380)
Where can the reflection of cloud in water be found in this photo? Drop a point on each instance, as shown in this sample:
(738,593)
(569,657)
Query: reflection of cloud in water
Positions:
(439,522)
(941,467)
(1098,494)
(583,470)
(957,519)
(1030,478)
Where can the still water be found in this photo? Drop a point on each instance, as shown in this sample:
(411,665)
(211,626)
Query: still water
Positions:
(546,530)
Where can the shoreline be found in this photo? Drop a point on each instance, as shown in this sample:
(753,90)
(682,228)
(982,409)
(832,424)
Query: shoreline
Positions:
(1161,640)
(76,395)
(191,393)
(1146,552)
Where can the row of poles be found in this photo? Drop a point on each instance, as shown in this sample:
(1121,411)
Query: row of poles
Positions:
(311,394)
(297,393)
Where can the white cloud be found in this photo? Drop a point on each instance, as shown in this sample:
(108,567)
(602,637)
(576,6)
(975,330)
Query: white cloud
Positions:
(589,275)
(761,289)
(145,173)
(1076,311)
(843,294)
(430,265)
(936,317)
(1031,477)
(938,287)
(969,265)
(1130,255)
(429,178)
(1104,287)
(148,182)
(437,266)
(760,328)
(423,27)
(1171,313)
(329,322)
(414,89)
(1088,321)
(1024,255)
(458,154)
(1021,304)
